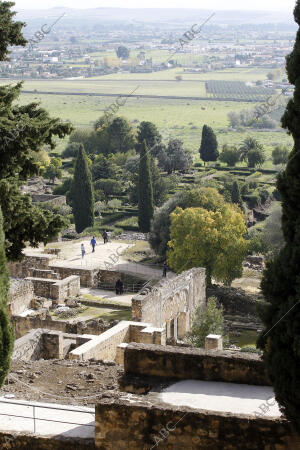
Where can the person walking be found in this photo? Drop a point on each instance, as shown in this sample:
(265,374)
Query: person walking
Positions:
(82,251)
(105,236)
(165,269)
(93,244)
(119,287)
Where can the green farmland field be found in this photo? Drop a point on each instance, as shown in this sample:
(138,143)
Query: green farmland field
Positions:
(180,118)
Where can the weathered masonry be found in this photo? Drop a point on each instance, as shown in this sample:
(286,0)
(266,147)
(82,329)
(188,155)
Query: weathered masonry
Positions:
(172,303)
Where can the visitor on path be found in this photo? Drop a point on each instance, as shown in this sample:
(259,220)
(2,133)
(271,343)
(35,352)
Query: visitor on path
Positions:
(93,243)
(119,287)
(165,269)
(82,251)
(105,236)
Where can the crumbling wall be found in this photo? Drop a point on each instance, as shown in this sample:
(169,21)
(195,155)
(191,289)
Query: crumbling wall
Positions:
(54,200)
(106,345)
(24,324)
(88,277)
(57,290)
(29,346)
(196,364)
(20,296)
(23,268)
(171,303)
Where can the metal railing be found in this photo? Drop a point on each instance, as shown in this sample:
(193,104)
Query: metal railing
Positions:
(35,418)
(128,287)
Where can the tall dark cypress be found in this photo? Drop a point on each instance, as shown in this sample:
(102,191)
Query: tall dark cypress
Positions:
(209,145)
(146,203)
(280,340)
(6,333)
(82,193)
(236,194)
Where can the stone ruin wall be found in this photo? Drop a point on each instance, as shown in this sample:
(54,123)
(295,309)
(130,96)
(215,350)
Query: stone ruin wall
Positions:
(110,344)
(172,302)
(143,423)
(21,293)
(136,424)
(170,362)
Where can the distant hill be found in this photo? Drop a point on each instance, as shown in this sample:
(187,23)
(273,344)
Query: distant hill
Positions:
(152,15)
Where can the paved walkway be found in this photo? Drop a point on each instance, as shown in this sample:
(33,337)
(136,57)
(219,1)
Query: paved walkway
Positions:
(124,299)
(222,397)
(80,421)
(106,256)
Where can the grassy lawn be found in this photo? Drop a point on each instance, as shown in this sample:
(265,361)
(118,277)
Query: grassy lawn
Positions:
(246,338)
(138,252)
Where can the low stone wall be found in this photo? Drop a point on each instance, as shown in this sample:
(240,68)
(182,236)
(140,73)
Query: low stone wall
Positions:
(88,277)
(68,287)
(137,424)
(55,200)
(23,269)
(29,346)
(24,324)
(26,441)
(196,364)
(47,344)
(42,273)
(57,290)
(20,295)
(106,345)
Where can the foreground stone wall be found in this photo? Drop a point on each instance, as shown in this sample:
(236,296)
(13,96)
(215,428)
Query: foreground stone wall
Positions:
(22,441)
(197,364)
(139,425)
(172,302)
(20,296)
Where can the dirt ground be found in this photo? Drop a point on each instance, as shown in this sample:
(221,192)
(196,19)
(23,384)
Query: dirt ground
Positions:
(62,381)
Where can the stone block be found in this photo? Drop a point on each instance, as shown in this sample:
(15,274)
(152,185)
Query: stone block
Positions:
(213,342)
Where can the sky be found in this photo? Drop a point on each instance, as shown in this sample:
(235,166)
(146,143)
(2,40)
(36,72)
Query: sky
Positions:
(267,5)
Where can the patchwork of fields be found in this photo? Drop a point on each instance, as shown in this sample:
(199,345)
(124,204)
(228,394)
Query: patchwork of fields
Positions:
(180,118)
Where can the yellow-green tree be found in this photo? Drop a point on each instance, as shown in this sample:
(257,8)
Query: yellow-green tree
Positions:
(210,239)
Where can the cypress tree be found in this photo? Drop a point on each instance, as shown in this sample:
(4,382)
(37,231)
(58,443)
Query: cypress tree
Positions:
(82,193)
(146,203)
(280,340)
(236,194)
(6,333)
(209,145)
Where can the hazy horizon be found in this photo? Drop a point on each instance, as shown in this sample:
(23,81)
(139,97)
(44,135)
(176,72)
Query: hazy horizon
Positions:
(265,5)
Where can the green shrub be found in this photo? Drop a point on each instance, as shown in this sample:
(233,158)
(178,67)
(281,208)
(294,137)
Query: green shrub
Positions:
(264,195)
(253,184)
(252,200)
(130,224)
(208,321)
(251,349)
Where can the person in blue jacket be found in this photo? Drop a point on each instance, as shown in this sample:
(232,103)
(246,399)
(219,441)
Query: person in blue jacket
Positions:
(93,243)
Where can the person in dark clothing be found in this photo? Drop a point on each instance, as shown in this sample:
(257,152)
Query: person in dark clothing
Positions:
(119,287)
(93,243)
(165,269)
(105,236)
